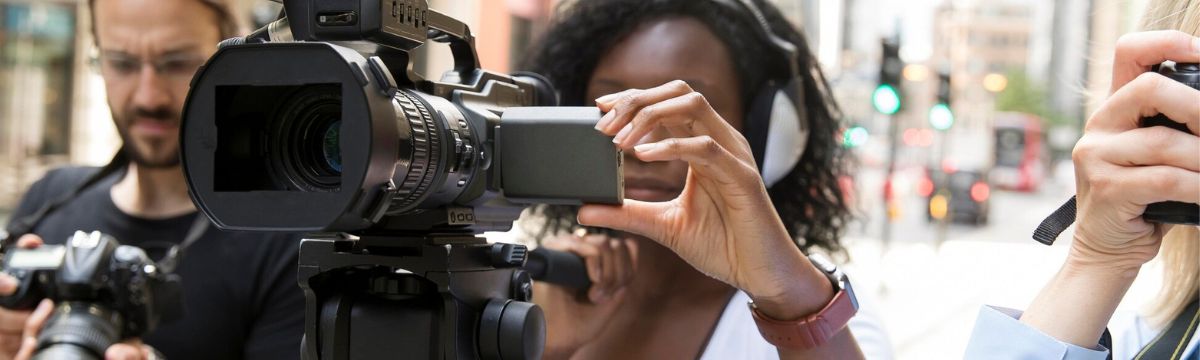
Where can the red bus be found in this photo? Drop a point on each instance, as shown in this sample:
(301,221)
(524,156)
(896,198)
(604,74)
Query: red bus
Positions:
(1019,152)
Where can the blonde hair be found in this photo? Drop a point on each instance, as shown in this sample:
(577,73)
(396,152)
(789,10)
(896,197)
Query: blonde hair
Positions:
(1182,15)
(1180,251)
(1180,255)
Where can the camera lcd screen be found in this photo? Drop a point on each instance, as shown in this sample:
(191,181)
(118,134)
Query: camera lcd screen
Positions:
(49,257)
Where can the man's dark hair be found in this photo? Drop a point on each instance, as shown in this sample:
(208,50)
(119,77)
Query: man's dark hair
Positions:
(226,23)
(809,199)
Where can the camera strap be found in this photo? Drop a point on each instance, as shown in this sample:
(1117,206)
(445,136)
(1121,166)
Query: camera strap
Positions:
(169,262)
(24,225)
(1056,223)
(1173,341)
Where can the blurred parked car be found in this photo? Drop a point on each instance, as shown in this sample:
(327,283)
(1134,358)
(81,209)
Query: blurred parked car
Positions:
(960,195)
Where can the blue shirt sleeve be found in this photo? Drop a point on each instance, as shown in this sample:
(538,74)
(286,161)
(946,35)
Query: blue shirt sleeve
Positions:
(999,334)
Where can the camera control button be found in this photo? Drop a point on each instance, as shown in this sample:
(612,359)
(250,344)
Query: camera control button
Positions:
(383,78)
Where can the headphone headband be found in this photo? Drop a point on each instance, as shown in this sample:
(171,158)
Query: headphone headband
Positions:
(785,48)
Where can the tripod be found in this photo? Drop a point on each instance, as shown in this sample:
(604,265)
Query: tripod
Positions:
(439,296)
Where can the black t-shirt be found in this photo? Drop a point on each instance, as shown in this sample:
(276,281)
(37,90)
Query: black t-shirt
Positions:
(241,300)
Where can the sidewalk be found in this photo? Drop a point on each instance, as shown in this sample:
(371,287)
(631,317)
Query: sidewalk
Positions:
(929,297)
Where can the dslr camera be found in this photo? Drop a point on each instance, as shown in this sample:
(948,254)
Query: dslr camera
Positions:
(1174,212)
(317,123)
(103,291)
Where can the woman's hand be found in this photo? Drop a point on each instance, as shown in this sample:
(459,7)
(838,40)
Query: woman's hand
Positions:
(573,319)
(1119,169)
(722,223)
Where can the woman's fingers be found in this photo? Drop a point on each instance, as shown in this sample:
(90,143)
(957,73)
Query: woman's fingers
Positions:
(690,111)
(1145,185)
(1156,145)
(1147,95)
(1137,52)
(704,154)
(622,108)
(625,250)
(609,262)
(636,217)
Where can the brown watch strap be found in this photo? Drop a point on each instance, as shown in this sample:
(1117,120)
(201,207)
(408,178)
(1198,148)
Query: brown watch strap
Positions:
(811,331)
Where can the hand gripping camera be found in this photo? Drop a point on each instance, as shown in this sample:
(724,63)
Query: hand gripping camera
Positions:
(1174,212)
(316,123)
(104,292)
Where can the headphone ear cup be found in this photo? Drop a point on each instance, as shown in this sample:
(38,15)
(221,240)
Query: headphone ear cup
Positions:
(787,132)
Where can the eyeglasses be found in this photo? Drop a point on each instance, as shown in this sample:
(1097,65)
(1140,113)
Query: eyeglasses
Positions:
(175,67)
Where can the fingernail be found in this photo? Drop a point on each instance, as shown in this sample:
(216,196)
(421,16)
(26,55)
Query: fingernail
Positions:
(646,147)
(604,120)
(607,98)
(44,306)
(620,138)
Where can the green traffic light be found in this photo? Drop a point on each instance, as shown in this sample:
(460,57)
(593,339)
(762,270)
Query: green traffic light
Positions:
(940,117)
(886,99)
(855,137)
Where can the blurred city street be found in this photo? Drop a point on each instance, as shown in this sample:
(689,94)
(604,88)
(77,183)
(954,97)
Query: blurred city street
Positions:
(929,295)
(974,106)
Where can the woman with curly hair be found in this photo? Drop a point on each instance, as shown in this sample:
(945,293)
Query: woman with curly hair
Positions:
(702,234)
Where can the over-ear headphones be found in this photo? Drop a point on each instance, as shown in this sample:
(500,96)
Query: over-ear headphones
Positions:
(776,125)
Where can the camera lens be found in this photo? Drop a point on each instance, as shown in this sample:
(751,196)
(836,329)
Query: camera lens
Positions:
(331,148)
(307,139)
(78,330)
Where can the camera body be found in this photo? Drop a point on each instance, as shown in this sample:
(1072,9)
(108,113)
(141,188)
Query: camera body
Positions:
(1174,212)
(317,123)
(104,292)
(336,133)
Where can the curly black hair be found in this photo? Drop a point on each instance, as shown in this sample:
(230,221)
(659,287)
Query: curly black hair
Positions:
(808,199)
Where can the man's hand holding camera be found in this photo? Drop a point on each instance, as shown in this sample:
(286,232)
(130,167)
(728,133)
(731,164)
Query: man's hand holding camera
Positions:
(15,329)
(19,329)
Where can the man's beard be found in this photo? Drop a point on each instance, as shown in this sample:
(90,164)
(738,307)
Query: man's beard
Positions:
(130,148)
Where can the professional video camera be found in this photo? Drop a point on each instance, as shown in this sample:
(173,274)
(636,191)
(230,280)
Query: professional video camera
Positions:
(104,292)
(317,123)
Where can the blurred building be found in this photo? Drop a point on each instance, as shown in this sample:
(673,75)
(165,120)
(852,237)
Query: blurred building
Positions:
(46,92)
(1068,64)
(973,40)
(1110,20)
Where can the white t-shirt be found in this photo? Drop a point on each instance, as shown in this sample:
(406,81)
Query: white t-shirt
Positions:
(737,336)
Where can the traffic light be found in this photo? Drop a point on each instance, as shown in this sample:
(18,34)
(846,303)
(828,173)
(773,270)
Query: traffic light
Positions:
(855,136)
(940,115)
(887,98)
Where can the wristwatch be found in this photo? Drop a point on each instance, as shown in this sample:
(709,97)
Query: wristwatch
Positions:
(814,329)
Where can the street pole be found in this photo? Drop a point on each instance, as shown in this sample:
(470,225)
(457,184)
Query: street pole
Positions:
(944,188)
(889,192)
